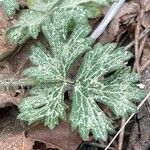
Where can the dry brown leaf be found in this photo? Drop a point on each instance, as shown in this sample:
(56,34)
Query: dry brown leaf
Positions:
(4,22)
(146,52)
(145,4)
(22,2)
(7,97)
(146,20)
(125,16)
(12,69)
(61,137)
(12,132)
(5,46)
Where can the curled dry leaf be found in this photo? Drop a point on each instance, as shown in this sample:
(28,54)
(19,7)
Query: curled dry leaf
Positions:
(12,132)
(62,137)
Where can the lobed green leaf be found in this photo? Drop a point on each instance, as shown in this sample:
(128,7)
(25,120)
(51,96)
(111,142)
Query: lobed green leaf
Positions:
(97,82)
(29,23)
(9,6)
(46,103)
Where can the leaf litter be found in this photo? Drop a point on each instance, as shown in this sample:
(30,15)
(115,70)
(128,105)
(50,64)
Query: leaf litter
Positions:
(125,20)
(12,135)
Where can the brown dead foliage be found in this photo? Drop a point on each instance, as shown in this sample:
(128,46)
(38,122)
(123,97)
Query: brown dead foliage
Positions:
(62,137)
(120,30)
(12,132)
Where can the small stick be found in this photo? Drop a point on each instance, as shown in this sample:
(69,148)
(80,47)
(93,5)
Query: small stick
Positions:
(136,47)
(143,34)
(121,136)
(139,106)
(107,19)
(145,64)
(142,46)
(137,34)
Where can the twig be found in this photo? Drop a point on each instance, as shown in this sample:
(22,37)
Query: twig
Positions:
(145,64)
(121,136)
(139,106)
(137,34)
(143,34)
(100,146)
(107,19)
(142,46)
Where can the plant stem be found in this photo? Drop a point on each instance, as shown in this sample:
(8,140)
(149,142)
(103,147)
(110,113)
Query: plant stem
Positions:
(107,19)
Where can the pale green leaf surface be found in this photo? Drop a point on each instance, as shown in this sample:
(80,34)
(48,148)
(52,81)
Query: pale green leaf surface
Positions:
(92,85)
(9,6)
(65,50)
(52,69)
(47,69)
(42,5)
(54,4)
(67,45)
(45,103)
(74,3)
(29,23)
(88,117)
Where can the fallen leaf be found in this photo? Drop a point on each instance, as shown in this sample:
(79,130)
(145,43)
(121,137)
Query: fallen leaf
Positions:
(145,4)
(12,68)
(12,132)
(5,46)
(7,97)
(4,22)
(61,137)
(22,3)
(123,18)
(146,20)
(146,52)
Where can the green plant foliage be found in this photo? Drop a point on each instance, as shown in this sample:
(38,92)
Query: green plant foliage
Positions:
(50,79)
(103,79)
(50,71)
(71,36)
(9,6)
(46,103)
(48,92)
(117,91)
(14,83)
(29,23)
(95,83)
